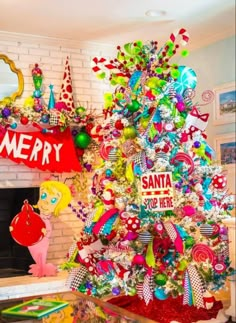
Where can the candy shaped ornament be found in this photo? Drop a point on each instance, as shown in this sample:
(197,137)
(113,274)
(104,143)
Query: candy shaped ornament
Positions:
(27,227)
(54,197)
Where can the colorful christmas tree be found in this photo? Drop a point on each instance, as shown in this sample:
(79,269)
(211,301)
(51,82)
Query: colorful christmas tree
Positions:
(153,225)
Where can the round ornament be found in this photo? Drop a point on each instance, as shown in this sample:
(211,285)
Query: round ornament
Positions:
(206,230)
(145,237)
(24,120)
(138,260)
(133,106)
(130,132)
(187,79)
(160,279)
(82,140)
(80,110)
(115,291)
(6,112)
(219,181)
(189,242)
(132,224)
(27,227)
(160,294)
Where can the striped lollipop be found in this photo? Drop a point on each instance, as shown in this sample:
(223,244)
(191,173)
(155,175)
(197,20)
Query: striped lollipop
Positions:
(201,253)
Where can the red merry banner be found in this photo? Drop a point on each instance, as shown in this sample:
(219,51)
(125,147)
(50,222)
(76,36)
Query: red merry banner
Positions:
(45,151)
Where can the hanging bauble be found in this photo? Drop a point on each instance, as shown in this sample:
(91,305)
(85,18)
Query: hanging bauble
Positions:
(145,237)
(133,106)
(160,279)
(6,112)
(130,132)
(27,227)
(206,230)
(45,118)
(186,80)
(82,140)
(219,181)
(138,260)
(183,264)
(144,121)
(189,242)
(115,291)
(24,120)
(37,94)
(160,294)
(119,125)
(132,223)
(80,111)
(132,291)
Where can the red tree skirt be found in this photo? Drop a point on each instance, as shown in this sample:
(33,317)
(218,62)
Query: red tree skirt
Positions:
(171,309)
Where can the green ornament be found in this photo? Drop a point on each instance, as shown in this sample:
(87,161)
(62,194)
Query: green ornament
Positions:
(160,279)
(179,124)
(82,140)
(130,132)
(82,288)
(134,106)
(132,291)
(80,110)
(189,242)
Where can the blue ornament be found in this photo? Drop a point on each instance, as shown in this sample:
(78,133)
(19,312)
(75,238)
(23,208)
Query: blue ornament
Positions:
(37,94)
(160,294)
(186,80)
(51,103)
(45,118)
(115,291)
(108,173)
(13,125)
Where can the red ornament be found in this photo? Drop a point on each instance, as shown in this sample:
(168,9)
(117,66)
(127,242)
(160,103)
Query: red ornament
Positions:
(132,224)
(27,226)
(119,125)
(219,181)
(24,120)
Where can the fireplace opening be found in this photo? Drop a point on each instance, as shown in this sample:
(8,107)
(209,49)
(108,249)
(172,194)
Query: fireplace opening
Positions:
(15,259)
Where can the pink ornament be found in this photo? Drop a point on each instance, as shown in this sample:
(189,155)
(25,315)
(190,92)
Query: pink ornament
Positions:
(180,106)
(219,181)
(188,210)
(138,260)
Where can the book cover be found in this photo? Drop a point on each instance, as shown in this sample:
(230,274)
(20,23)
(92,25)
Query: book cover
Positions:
(35,308)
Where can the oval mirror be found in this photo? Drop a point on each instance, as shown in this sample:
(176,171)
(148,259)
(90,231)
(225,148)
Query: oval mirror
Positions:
(11,79)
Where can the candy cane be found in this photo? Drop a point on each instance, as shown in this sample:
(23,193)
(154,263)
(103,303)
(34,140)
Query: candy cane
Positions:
(98,64)
(181,32)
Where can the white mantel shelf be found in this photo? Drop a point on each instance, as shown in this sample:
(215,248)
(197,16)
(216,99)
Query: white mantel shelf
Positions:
(27,286)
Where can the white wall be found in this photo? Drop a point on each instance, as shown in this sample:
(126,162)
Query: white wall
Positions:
(214,66)
(51,55)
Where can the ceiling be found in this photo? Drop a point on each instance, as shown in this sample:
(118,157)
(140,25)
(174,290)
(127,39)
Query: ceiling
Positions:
(119,21)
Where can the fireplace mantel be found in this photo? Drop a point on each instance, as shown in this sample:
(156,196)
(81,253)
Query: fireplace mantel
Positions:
(27,286)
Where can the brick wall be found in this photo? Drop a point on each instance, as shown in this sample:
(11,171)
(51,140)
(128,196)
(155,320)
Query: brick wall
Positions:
(51,55)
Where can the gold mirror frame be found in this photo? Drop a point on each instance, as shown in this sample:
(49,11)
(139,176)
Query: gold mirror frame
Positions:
(19,74)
